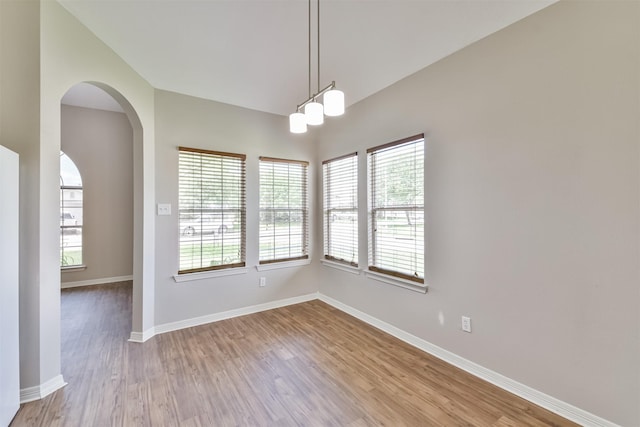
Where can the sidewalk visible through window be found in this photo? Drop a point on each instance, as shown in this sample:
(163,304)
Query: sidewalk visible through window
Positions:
(396,208)
(340,210)
(71,200)
(212,210)
(284,211)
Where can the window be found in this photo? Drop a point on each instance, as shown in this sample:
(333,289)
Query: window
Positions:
(212,210)
(340,215)
(396,208)
(70,213)
(284,214)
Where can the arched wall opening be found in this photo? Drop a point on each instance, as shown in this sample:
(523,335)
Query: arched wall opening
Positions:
(137,202)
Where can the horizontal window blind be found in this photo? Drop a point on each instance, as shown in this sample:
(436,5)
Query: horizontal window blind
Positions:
(340,213)
(396,211)
(71,213)
(71,226)
(284,212)
(212,210)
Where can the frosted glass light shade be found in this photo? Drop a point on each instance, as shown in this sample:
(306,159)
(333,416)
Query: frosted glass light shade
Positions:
(297,123)
(314,114)
(334,103)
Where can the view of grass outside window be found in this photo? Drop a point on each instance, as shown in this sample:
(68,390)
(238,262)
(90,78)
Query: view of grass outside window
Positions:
(284,212)
(212,210)
(70,213)
(340,213)
(396,211)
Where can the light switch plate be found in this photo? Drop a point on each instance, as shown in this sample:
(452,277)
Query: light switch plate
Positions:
(164,208)
(466,324)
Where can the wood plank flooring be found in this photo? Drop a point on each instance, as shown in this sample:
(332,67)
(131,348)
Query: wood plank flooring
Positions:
(302,365)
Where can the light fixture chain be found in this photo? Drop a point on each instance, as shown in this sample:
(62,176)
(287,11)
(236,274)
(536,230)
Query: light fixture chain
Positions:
(314,111)
(309,40)
(318,18)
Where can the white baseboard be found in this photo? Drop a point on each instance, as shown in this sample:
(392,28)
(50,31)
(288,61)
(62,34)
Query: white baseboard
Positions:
(30,394)
(91,282)
(539,398)
(188,323)
(141,337)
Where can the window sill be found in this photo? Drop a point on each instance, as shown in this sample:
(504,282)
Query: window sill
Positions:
(73,268)
(396,281)
(339,266)
(188,277)
(283,264)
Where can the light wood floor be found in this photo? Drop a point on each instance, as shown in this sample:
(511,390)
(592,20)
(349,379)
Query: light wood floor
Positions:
(302,365)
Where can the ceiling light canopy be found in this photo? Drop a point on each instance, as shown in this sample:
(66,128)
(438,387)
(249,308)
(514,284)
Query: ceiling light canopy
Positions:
(314,111)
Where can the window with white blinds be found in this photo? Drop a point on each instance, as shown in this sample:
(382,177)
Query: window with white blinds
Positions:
(340,210)
(284,212)
(396,208)
(212,210)
(71,214)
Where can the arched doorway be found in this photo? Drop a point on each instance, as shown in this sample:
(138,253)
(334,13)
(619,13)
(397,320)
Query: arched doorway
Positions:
(96,92)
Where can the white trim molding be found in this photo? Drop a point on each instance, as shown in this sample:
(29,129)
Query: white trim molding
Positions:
(397,281)
(215,317)
(188,277)
(92,282)
(141,337)
(38,392)
(73,268)
(283,264)
(539,398)
(340,266)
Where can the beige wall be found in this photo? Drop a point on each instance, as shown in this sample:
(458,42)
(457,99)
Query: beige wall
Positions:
(101,145)
(187,121)
(532,202)
(19,131)
(43,52)
(72,54)
(533,195)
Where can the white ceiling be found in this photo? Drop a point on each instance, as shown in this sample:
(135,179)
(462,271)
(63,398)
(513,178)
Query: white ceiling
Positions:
(90,96)
(254,53)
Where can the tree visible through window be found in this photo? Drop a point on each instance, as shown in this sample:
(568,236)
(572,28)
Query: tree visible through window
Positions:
(396,208)
(340,189)
(70,213)
(284,213)
(212,210)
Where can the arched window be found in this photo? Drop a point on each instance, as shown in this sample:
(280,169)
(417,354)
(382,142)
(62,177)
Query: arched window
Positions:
(70,214)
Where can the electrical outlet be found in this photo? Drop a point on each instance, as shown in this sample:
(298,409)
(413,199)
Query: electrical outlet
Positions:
(466,324)
(164,208)
(263,282)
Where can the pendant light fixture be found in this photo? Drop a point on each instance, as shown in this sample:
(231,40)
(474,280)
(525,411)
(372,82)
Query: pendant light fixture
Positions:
(314,111)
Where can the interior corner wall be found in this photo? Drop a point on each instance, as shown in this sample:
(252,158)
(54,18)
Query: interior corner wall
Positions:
(19,131)
(532,203)
(193,122)
(100,143)
(45,51)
